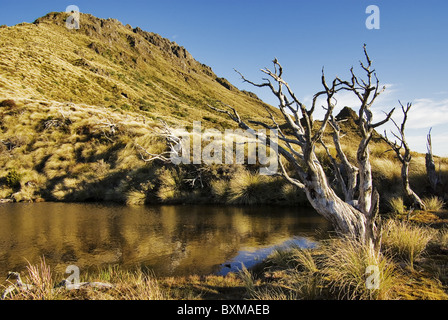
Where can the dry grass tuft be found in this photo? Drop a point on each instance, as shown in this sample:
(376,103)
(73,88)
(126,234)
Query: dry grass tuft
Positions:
(433,203)
(405,241)
(345,268)
(396,205)
(247,188)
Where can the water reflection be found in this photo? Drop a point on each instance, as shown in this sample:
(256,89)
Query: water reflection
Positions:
(172,240)
(248,257)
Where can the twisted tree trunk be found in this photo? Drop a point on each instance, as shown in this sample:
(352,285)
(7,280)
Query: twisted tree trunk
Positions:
(431,167)
(346,218)
(409,193)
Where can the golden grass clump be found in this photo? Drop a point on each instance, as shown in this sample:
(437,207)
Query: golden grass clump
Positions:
(339,268)
(293,195)
(41,279)
(135,198)
(247,188)
(386,168)
(396,205)
(443,238)
(171,181)
(220,188)
(346,266)
(134,285)
(304,278)
(40,283)
(433,203)
(406,241)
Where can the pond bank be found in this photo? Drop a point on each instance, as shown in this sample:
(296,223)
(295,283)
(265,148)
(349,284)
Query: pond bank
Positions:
(170,240)
(333,270)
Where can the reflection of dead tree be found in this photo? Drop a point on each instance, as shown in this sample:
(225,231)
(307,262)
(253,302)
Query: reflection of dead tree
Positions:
(403,154)
(433,177)
(298,148)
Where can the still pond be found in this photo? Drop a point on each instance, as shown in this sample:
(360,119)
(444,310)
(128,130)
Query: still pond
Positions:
(170,240)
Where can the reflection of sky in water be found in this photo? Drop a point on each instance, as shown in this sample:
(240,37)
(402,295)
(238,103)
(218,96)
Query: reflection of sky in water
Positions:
(169,240)
(250,258)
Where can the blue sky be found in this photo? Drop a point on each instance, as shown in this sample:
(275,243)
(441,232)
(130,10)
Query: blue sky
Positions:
(409,50)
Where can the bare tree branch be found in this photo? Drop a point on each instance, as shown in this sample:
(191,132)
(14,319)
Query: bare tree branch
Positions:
(404,156)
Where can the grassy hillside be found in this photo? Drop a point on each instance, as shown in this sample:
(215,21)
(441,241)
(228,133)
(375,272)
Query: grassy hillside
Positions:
(74,105)
(110,65)
(68,152)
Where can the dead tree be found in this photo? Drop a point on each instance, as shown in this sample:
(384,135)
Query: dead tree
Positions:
(430,166)
(349,182)
(403,154)
(173,141)
(298,148)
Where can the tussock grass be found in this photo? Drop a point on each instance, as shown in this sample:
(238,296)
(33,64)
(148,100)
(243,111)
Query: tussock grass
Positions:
(396,205)
(335,270)
(171,182)
(220,189)
(136,285)
(293,195)
(405,241)
(77,161)
(443,238)
(247,188)
(386,169)
(38,284)
(40,277)
(433,203)
(345,269)
(135,198)
(249,280)
(127,285)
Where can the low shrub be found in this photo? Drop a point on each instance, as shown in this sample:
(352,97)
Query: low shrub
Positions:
(9,104)
(13,179)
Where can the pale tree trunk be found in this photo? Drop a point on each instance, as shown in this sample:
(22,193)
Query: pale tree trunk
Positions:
(409,193)
(365,178)
(350,182)
(405,158)
(431,167)
(344,217)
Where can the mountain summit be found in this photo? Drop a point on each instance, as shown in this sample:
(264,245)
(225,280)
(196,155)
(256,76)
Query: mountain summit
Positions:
(106,63)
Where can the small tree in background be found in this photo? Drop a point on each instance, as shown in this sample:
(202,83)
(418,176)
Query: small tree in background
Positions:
(403,154)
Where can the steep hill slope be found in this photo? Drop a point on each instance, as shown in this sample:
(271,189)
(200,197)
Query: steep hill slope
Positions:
(74,105)
(105,63)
